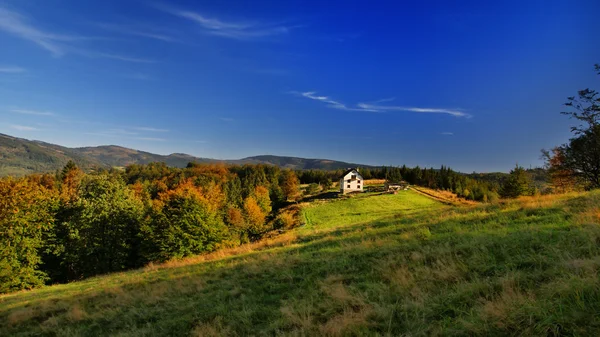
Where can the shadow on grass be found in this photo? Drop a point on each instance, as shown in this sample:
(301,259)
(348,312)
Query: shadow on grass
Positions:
(321,196)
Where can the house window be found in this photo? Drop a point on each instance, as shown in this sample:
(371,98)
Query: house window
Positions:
(357,186)
(349,181)
(354,176)
(358,181)
(348,186)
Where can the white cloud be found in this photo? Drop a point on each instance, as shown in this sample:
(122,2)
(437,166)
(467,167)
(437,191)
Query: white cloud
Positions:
(232,30)
(447,133)
(330,102)
(32,112)
(377,107)
(227,119)
(24,128)
(12,70)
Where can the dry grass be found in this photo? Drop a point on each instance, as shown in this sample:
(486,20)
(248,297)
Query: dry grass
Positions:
(22,315)
(215,328)
(76,313)
(444,196)
(371,182)
(543,201)
(298,316)
(348,320)
(499,311)
(282,240)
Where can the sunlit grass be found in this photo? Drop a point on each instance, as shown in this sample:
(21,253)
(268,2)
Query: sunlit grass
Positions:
(366,265)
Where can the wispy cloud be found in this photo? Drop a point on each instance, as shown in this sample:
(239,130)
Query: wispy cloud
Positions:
(32,112)
(57,44)
(12,70)
(447,133)
(227,119)
(16,24)
(229,29)
(23,127)
(120,132)
(137,30)
(330,103)
(111,56)
(378,107)
(149,129)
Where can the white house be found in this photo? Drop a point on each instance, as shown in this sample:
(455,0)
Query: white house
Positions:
(351,181)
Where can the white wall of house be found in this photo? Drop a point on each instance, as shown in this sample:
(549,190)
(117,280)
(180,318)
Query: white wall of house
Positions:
(351,182)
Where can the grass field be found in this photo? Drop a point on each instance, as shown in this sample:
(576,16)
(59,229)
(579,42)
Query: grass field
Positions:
(367,265)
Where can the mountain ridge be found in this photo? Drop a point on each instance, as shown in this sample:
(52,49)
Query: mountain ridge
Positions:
(20,156)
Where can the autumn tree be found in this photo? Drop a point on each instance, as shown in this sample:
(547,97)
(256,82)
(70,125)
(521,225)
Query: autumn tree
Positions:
(580,157)
(26,213)
(290,184)
(562,178)
(183,222)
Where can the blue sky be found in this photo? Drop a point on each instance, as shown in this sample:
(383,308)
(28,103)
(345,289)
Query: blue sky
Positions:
(474,85)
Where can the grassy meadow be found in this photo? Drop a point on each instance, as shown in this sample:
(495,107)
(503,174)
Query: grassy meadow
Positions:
(371,264)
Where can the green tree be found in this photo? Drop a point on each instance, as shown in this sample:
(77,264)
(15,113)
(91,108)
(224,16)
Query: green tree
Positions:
(580,157)
(183,223)
(516,184)
(101,232)
(25,215)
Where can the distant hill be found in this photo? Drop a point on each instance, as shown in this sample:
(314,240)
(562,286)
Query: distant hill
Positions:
(20,156)
(300,163)
(118,156)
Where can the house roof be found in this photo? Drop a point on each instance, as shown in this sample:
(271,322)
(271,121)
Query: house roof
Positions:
(348,171)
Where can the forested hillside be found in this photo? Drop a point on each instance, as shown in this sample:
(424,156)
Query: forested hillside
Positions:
(73,225)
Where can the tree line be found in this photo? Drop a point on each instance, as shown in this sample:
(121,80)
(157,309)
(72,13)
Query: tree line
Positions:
(477,187)
(71,225)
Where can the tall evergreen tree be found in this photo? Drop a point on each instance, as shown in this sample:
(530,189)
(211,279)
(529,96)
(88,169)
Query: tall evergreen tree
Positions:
(517,184)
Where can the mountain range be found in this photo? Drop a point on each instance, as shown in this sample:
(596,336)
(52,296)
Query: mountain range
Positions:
(20,156)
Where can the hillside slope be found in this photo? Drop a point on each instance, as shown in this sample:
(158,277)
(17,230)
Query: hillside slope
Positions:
(117,156)
(20,156)
(372,264)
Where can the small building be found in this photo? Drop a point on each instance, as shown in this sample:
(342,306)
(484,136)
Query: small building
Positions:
(391,186)
(351,181)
